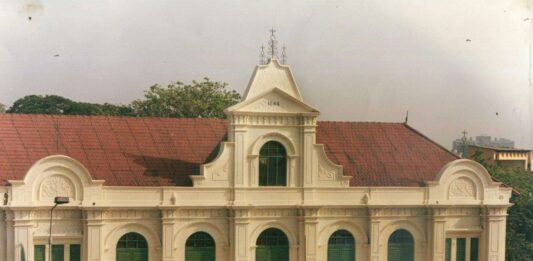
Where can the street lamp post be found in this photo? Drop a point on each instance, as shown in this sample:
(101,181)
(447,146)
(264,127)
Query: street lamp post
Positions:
(57,201)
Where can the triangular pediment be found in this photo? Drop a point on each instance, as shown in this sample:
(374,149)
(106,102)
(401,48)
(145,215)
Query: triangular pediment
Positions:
(275,101)
(272,75)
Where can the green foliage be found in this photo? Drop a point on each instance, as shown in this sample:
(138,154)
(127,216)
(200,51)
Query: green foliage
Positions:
(53,104)
(2,108)
(205,99)
(520,219)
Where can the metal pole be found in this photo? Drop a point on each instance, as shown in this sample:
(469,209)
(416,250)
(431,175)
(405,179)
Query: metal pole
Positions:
(50,235)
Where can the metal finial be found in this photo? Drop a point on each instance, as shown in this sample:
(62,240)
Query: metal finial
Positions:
(406,116)
(273,45)
(262,55)
(463,139)
(284,55)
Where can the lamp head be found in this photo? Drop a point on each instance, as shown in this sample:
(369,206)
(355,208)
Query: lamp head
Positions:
(61,200)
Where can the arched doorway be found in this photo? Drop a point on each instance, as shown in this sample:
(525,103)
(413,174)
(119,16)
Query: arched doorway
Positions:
(132,247)
(272,245)
(200,246)
(341,246)
(401,246)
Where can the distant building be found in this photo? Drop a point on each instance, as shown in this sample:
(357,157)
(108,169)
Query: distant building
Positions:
(483,141)
(505,157)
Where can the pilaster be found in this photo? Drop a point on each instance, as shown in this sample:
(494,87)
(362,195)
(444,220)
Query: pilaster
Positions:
(93,224)
(311,233)
(494,235)
(437,246)
(375,227)
(22,235)
(241,246)
(168,222)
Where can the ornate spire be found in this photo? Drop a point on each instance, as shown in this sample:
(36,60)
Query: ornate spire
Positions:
(272,50)
(273,45)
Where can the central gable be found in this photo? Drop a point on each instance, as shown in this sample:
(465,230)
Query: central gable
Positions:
(272,75)
(274,101)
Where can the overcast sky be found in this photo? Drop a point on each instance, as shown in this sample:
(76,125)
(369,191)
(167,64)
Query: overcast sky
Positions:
(453,64)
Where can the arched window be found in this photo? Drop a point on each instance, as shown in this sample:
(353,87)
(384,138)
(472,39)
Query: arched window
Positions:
(272,164)
(401,246)
(341,246)
(272,245)
(132,247)
(200,246)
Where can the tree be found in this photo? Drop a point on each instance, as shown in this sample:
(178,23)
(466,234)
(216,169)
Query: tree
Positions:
(53,104)
(519,244)
(2,108)
(205,99)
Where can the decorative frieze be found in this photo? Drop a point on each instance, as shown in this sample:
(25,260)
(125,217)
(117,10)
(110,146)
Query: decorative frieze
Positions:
(131,214)
(274,212)
(56,186)
(397,212)
(343,212)
(201,213)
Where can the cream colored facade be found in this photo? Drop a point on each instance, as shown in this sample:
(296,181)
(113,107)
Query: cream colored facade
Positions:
(227,202)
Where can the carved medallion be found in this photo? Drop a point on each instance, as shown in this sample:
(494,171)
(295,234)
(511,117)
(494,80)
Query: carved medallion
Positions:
(462,188)
(55,186)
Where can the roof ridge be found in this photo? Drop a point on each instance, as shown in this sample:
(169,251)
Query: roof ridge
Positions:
(100,116)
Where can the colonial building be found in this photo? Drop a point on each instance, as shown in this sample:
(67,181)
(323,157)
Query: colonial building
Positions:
(509,158)
(269,183)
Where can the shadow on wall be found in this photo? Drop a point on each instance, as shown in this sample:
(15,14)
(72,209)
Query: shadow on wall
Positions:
(174,170)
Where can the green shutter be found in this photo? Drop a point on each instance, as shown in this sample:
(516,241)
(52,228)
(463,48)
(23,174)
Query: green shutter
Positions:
(75,253)
(272,253)
(448,249)
(39,252)
(341,253)
(58,252)
(199,254)
(474,245)
(461,250)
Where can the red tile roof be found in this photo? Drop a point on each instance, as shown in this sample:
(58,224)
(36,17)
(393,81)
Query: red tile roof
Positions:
(127,151)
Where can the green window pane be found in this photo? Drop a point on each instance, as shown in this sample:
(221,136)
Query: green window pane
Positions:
(132,247)
(58,252)
(401,246)
(461,249)
(474,247)
(448,249)
(75,253)
(39,252)
(272,245)
(341,246)
(200,246)
(272,164)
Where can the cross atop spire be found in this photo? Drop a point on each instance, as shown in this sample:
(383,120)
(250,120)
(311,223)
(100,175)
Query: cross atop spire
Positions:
(272,49)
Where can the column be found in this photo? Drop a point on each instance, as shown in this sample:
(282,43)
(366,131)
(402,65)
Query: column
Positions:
(375,226)
(241,247)
(93,224)
(311,234)
(168,217)
(494,233)
(437,230)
